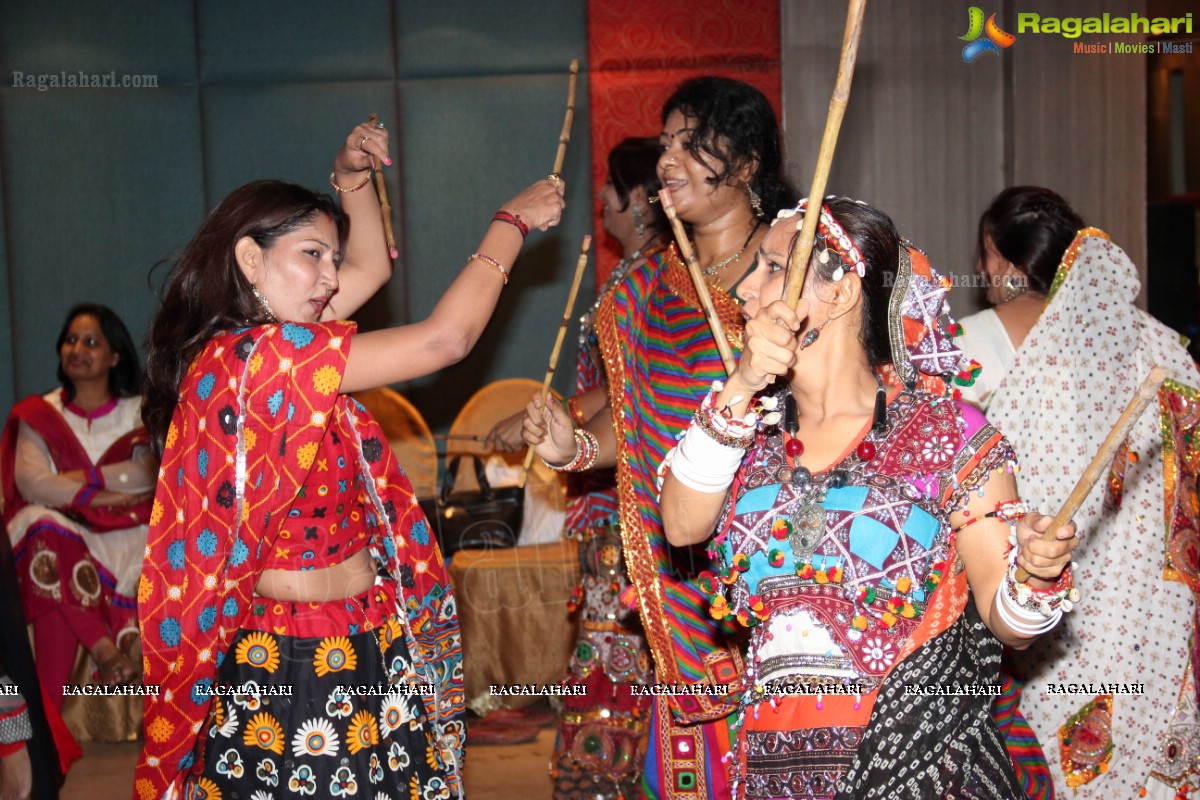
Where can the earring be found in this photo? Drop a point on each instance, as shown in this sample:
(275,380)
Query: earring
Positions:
(639,222)
(1014,286)
(755,202)
(263,305)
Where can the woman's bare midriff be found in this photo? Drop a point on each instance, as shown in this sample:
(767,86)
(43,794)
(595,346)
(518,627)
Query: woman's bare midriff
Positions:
(351,577)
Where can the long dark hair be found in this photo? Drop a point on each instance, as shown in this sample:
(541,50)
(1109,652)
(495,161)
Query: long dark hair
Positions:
(875,235)
(125,378)
(634,163)
(206,291)
(1032,227)
(735,124)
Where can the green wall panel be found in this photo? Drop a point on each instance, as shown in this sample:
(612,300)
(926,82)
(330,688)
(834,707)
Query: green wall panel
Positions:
(99,188)
(100,184)
(469,145)
(7,387)
(133,37)
(289,42)
(468,37)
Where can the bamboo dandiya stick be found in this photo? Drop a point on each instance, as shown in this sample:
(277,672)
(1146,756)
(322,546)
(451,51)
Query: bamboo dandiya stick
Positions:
(706,303)
(1099,466)
(565,136)
(802,251)
(468,437)
(385,208)
(580,266)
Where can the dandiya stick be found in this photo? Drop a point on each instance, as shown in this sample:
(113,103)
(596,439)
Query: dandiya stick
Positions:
(802,251)
(1099,466)
(706,303)
(385,208)
(565,136)
(580,266)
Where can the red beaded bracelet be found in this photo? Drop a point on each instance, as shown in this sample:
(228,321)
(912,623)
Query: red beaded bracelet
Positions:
(512,219)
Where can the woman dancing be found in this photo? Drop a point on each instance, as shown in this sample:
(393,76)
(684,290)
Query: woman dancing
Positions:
(289,562)
(722,161)
(860,530)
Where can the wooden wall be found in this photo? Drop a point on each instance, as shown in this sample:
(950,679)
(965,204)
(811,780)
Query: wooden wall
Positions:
(931,139)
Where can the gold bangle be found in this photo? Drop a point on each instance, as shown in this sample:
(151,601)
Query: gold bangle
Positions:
(493,262)
(365,181)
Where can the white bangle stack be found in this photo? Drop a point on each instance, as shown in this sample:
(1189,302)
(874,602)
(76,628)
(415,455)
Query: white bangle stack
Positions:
(702,463)
(1022,620)
(711,449)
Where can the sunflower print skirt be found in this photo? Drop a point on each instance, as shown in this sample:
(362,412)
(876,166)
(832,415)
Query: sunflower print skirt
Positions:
(306,707)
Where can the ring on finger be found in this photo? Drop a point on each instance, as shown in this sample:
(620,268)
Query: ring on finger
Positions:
(362,141)
(379,126)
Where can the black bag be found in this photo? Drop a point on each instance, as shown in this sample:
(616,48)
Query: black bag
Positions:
(484,519)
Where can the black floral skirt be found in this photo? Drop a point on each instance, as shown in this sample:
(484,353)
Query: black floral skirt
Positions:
(320,700)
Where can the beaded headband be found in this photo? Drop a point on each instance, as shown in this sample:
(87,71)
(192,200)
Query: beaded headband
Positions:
(833,237)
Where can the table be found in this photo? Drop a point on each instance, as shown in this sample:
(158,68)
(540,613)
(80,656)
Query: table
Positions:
(512,606)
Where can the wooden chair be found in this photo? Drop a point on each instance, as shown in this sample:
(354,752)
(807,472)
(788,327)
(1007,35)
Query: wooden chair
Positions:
(489,405)
(408,435)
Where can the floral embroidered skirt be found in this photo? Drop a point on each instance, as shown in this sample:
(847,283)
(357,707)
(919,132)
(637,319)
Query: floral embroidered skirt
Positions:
(306,707)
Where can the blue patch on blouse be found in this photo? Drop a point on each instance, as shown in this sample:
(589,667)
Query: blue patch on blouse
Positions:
(275,401)
(205,386)
(297,335)
(760,499)
(846,498)
(206,543)
(420,532)
(230,609)
(169,631)
(207,618)
(291,411)
(871,540)
(240,553)
(202,691)
(175,554)
(921,526)
(179,477)
(202,462)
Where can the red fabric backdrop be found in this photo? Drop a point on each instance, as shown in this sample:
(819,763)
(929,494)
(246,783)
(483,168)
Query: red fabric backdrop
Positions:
(639,50)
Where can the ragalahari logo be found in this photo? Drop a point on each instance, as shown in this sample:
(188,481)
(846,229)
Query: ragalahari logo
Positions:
(994,37)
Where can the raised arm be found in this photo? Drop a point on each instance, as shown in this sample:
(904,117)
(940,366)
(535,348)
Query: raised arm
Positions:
(983,546)
(366,264)
(701,469)
(447,335)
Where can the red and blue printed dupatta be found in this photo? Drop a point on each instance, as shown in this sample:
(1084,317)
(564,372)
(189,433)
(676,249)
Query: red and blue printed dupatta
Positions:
(253,408)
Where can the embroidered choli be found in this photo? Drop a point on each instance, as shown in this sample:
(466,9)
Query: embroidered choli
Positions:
(834,587)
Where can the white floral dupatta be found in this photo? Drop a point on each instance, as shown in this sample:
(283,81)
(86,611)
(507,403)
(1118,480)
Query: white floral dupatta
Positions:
(1071,379)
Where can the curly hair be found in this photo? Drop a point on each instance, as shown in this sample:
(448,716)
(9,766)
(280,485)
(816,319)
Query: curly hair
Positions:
(734,124)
